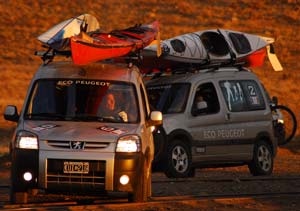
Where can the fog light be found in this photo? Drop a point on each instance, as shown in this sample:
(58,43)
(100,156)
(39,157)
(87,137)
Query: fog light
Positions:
(152,128)
(124,179)
(27,176)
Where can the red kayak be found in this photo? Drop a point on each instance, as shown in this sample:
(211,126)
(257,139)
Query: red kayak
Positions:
(99,46)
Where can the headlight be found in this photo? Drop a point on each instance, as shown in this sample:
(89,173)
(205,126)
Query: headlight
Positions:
(130,143)
(280,121)
(26,140)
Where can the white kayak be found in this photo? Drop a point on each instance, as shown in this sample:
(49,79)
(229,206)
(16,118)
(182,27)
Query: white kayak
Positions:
(208,47)
(58,36)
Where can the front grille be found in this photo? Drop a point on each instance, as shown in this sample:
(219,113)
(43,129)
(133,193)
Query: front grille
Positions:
(57,179)
(87,145)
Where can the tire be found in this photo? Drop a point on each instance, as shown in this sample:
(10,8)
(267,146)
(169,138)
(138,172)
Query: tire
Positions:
(159,138)
(143,188)
(285,132)
(17,194)
(179,160)
(18,197)
(263,159)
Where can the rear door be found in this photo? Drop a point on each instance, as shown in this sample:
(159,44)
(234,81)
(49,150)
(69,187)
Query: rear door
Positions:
(247,115)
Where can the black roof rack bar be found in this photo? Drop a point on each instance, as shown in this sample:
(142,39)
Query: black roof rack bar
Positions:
(48,56)
(191,68)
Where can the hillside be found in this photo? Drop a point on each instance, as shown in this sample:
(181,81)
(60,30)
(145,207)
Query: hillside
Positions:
(22,21)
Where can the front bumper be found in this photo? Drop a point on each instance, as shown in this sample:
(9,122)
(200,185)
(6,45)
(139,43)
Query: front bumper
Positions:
(24,160)
(104,173)
(129,164)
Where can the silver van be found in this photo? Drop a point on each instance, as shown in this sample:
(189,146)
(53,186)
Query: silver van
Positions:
(212,117)
(64,142)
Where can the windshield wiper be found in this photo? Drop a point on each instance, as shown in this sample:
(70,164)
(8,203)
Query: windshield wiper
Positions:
(82,117)
(78,117)
(45,116)
(109,119)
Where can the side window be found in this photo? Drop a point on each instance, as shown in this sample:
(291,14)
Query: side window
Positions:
(253,95)
(234,96)
(242,95)
(205,100)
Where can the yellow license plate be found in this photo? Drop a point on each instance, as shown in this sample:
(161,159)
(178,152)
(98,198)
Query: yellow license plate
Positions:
(76,167)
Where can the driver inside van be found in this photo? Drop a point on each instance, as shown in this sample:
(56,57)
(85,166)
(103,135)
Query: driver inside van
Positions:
(108,108)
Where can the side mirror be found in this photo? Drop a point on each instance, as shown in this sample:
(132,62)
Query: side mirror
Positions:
(11,113)
(275,100)
(155,118)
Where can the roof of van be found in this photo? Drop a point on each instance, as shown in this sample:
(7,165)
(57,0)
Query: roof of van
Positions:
(231,72)
(103,71)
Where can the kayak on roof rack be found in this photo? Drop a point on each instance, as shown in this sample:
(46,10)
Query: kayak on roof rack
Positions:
(58,36)
(92,47)
(210,48)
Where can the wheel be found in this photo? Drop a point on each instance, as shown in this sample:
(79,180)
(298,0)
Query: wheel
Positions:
(143,188)
(285,125)
(18,197)
(17,193)
(159,137)
(179,160)
(262,162)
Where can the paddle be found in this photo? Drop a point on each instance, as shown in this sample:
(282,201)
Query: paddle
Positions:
(273,58)
(271,54)
(158,51)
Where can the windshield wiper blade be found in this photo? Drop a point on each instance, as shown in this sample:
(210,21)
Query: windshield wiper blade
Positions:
(45,116)
(83,118)
(109,119)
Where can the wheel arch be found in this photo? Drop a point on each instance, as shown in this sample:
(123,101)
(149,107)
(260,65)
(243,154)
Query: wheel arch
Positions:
(266,137)
(181,135)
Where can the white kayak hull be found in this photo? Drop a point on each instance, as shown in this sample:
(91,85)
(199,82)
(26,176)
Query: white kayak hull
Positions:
(58,36)
(208,46)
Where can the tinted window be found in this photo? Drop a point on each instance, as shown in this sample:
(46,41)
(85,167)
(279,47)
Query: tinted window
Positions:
(242,95)
(205,100)
(80,100)
(169,98)
(253,95)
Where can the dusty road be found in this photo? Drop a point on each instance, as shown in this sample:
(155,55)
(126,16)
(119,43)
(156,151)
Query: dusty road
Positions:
(227,189)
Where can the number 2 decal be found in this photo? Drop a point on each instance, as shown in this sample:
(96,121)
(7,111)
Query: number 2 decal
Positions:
(251,91)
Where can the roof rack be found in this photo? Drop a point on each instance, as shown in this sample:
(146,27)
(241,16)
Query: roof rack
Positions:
(48,56)
(136,59)
(192,68)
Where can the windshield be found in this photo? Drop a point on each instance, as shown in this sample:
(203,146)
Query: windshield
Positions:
(170,98)
(83,100)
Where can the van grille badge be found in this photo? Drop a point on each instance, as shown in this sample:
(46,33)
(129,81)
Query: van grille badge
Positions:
(79,145)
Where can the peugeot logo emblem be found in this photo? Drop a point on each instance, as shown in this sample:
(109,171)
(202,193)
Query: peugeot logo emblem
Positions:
(77,145)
